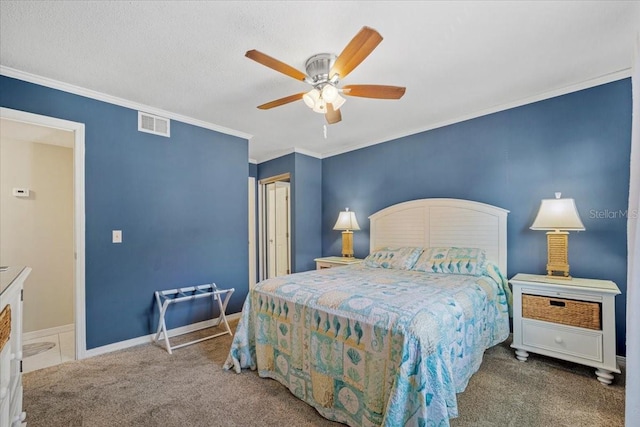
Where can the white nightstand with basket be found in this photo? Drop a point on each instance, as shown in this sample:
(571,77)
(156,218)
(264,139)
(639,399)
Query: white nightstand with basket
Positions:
(571,320)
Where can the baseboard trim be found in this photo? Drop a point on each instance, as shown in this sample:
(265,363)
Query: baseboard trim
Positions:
(146,339)
(26,336)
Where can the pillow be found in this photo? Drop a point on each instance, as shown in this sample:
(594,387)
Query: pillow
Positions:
(396,258)
(452,261)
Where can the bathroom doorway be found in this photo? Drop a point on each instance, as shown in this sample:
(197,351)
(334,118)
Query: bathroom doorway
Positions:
(42,226)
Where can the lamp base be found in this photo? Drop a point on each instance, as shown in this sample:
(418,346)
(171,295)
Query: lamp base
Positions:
(563,275)
(347,244)
(557,255)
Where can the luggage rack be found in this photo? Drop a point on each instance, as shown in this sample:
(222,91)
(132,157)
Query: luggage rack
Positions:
(173,296)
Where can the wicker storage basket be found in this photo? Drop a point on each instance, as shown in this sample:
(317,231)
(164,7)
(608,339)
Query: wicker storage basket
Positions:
(5,326)
(583,314)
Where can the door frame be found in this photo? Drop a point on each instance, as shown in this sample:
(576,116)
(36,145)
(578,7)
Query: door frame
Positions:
(262,265)
(252,232)
(78,130)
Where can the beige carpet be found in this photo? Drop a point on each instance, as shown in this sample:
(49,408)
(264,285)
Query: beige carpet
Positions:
(145,386)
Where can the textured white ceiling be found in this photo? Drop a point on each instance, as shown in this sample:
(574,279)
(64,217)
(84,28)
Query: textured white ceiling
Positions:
(457,59)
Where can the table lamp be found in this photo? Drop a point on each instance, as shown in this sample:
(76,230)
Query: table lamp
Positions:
(347,222)
(559,216)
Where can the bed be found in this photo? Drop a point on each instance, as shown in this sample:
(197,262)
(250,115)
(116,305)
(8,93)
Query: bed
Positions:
(392,340)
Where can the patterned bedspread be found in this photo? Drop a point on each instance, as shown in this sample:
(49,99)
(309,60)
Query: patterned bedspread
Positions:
(372,346)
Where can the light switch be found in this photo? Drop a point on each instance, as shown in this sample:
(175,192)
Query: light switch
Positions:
(116,236)
(21,192)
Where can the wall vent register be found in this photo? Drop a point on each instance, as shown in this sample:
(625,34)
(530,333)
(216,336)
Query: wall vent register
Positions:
(154,124)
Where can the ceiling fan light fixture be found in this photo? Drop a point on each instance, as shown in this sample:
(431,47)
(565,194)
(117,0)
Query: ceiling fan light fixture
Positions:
(320,106)
(329,93)
(337,103)
(310,98)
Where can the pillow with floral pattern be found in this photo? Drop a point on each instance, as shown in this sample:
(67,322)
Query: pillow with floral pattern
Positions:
(402,258)
(452,261)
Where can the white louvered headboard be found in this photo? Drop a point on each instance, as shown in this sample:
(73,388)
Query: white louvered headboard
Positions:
(443,223)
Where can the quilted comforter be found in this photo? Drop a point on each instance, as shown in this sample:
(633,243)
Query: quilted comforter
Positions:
(371,346)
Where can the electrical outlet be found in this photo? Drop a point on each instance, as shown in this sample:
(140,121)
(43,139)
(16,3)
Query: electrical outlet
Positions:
(116,236)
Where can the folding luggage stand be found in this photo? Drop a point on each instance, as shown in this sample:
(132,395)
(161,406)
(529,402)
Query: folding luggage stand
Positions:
(171,296)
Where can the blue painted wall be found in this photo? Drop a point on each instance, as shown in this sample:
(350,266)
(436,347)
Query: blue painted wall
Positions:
(578,144)
(180,201)
(305,202)
(308,202)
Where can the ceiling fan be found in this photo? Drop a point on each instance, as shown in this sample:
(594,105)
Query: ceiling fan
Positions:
(324,71)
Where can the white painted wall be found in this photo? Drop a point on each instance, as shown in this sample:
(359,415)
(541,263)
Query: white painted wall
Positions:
(38,231)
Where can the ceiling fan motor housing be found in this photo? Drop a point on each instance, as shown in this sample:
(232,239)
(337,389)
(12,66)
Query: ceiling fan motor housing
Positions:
(318,68)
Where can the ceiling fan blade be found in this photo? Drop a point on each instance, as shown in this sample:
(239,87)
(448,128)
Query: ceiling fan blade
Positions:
(281,101)
(356,51)
(274,64)
(332,116)
(374,91)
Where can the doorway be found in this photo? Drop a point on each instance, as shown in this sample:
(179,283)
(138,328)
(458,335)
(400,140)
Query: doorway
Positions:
(47,138)
(275,230)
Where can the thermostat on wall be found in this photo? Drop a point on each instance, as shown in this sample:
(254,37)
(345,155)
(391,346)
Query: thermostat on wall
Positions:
(21,192)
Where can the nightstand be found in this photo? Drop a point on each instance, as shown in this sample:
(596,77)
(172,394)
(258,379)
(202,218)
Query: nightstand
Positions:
(571,320)
(335,261)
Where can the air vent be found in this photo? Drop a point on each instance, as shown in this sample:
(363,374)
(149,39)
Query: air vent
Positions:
(153,124)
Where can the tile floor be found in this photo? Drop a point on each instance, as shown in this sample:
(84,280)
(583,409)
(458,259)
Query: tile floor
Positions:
(63,351)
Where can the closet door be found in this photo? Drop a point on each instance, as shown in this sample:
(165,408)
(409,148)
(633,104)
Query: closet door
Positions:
(282,228)
(277,228)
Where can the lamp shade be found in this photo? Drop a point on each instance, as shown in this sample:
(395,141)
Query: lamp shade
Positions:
(347,221)
(329,93)
(320,106)
(337,103)
(558,214)
(311,97)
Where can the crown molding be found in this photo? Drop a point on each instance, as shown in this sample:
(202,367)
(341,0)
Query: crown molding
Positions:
(281,153)
(88,93)
(307,153)
(54,84)
(597,81)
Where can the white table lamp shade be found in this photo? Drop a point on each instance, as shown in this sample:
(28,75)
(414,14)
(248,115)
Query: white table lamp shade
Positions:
(558,214)
(347,221)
